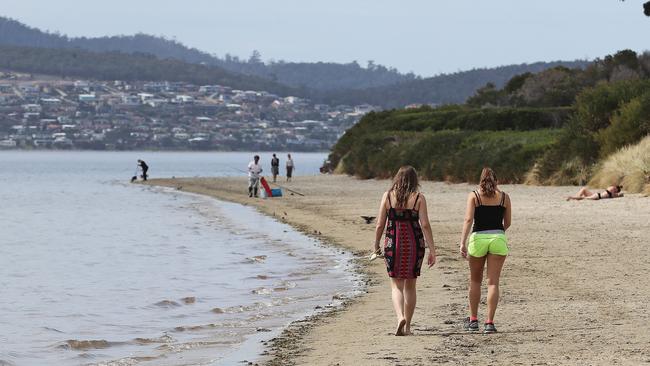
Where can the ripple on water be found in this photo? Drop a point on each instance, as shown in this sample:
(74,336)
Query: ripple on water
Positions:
(162,339)
(167,304)
(256,259)
(82,345)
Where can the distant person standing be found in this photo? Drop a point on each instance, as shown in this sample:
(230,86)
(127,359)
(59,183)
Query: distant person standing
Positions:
(254,171)
(275,167)
(290,167)
(144,167)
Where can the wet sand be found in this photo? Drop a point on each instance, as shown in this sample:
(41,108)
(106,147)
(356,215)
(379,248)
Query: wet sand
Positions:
(573,291)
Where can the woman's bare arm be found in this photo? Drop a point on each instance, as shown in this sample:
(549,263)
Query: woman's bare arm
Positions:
(424,223)
(426,229)
(507,216)
(467,223)
(381,220)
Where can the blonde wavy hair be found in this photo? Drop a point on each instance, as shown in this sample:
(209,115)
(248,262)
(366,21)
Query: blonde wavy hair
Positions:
(405,183)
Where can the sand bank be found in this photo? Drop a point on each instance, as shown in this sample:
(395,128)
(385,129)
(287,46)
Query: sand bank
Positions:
(573,291)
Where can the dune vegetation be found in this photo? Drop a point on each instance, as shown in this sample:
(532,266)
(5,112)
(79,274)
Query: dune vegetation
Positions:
(559,126)
(630,166)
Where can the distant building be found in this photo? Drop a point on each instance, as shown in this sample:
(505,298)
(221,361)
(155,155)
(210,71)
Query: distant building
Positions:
(87,98)
(8,143)
(184,99)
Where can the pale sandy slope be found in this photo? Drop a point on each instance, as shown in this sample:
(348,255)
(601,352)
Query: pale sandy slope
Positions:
(575,289)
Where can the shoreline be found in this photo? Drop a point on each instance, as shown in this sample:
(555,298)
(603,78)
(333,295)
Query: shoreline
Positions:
(280,349)
(554,306)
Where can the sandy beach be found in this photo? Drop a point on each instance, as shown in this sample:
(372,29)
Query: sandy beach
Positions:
(573,292)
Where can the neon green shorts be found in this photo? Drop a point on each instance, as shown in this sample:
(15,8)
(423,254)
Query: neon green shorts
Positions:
(480,244)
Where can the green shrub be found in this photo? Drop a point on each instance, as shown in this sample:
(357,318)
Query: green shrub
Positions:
(628,125)
(450,155)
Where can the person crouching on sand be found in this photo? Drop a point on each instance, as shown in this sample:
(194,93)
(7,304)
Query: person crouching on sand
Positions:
(490,211)
(610,192)
(407,232)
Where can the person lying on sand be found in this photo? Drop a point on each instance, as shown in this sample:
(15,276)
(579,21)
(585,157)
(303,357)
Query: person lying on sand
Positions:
(408,232)
(610,192)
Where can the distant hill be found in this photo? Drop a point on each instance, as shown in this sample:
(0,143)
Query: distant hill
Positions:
(122,66)
(320,75)
(329,83)
(442,89)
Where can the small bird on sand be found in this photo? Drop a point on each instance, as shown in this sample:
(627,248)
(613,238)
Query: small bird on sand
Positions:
(368,219)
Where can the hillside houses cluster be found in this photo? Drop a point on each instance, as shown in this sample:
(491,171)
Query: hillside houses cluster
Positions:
(83,114)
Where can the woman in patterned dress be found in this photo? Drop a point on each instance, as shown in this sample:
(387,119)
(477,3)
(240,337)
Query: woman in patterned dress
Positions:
(403,212)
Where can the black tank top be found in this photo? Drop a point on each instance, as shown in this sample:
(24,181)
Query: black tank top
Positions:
(489,217)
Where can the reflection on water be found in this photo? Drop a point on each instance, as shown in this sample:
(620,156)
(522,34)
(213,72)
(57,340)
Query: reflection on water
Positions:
(96,271)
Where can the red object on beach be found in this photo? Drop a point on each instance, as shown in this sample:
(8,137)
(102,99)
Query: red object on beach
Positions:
(266,187)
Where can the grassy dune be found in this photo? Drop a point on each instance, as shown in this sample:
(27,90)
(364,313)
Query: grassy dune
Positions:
(629,166)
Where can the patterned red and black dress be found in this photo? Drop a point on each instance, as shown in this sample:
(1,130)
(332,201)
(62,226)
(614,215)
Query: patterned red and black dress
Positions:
(404,246)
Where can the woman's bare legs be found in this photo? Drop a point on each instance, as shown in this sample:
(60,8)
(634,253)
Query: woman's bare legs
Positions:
(582,193)
(397,287)
(410,297)
(476,265)
(494,266)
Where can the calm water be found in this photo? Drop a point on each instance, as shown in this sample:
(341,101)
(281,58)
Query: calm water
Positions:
(94,270)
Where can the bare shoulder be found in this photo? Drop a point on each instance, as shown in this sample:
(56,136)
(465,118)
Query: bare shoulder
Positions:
(506,198)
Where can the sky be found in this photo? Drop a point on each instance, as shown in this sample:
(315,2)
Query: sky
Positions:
(427,37)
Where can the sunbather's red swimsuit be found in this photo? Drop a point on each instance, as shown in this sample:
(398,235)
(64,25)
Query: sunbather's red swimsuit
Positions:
(404,247)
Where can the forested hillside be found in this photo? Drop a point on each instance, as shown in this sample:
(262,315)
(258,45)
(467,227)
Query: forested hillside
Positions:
(319,75)
(442,89)
(323,82)
(130,67)
(552,127)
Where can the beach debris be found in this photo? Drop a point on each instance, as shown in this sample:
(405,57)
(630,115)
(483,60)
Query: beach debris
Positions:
(369,219)
(263,329)
(218,311)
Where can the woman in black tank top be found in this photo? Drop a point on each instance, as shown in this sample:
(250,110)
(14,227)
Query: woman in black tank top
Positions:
(489,210)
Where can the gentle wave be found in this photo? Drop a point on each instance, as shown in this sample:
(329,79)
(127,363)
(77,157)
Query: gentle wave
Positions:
(83,345)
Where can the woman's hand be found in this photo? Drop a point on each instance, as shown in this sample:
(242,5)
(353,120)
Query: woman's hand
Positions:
(431,259)
(463,250)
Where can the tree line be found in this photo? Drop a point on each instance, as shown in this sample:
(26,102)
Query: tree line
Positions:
(551,127)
